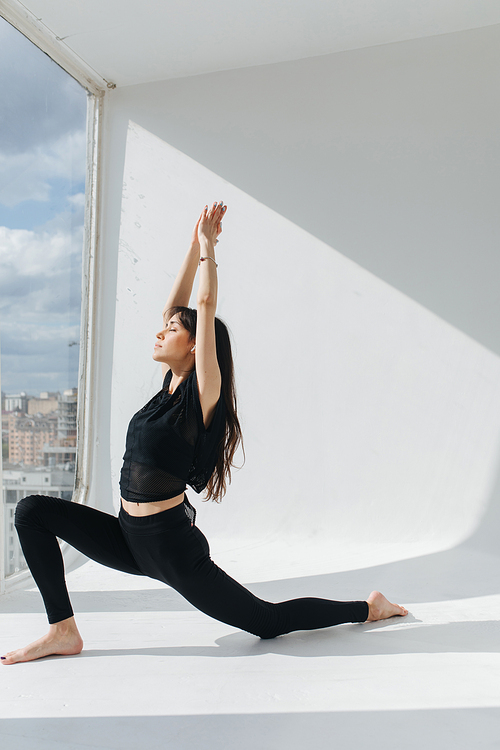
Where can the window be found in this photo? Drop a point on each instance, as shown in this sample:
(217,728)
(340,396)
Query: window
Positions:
(45,115)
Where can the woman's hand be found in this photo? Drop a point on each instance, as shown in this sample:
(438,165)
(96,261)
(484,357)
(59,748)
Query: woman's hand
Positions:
(195,242)
(209,224)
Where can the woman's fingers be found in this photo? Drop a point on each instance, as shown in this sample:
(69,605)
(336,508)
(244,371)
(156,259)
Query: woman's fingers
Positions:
(211,218)
(221,213)
(213,210)
(218,208)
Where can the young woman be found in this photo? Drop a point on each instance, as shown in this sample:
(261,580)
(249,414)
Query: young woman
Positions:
(186,434)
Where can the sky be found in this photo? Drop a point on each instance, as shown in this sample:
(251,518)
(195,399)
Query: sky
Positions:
(42,183)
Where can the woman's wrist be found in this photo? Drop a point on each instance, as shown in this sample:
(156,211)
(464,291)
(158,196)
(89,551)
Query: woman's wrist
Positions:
(208,257)
(206,246)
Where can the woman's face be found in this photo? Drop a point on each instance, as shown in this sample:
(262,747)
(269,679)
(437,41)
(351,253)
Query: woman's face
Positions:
(173,343)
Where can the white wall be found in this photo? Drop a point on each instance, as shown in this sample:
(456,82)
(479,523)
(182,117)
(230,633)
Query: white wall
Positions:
(383,412)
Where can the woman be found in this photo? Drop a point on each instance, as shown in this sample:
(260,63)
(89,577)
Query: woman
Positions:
(186,434)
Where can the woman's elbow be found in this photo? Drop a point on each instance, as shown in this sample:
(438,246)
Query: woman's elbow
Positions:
(207,301)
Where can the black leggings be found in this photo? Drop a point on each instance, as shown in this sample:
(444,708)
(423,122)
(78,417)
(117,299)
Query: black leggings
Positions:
(165,546)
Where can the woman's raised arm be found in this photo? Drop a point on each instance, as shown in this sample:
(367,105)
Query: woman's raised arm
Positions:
(207,368)
(183,284)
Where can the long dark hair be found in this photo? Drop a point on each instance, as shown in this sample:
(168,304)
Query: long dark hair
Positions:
(221,477)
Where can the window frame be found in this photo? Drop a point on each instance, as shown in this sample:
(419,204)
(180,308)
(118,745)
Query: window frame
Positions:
(39,34)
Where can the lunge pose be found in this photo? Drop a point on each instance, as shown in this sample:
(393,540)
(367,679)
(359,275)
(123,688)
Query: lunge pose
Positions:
(185,435)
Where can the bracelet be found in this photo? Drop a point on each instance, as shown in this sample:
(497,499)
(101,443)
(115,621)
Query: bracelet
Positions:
(207,257)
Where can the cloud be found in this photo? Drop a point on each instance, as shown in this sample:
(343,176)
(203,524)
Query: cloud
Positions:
(39,357)
(28,175)
(43,113)
(77,200)
(40,297)
(38,254)
(40,102)
(46,340)
(42,158)
(54,369)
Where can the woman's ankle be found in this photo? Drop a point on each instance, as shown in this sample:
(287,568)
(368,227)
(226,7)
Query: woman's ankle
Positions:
(64,627)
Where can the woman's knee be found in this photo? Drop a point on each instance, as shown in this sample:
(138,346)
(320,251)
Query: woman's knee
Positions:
(268,621)
(269,632)
(29,510)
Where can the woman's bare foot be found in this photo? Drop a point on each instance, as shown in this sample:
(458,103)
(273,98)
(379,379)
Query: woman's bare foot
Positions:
(380,608)
(63,638)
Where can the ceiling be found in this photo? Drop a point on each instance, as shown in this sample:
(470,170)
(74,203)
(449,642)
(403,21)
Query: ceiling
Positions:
(135,41)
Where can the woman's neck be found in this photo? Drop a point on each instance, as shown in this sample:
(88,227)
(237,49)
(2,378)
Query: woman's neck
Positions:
(178,377)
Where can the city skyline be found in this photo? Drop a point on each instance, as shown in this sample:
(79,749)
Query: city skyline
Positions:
(36,394)
(39,431)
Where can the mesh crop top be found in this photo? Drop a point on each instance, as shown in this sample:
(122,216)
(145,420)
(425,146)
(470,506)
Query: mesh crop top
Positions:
(168,445)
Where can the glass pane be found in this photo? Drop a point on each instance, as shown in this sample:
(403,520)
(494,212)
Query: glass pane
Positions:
(42,183)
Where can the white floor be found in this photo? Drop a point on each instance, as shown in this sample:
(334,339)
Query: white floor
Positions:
(156,673)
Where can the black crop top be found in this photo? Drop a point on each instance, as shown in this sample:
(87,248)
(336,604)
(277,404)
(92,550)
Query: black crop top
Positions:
(168,446)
